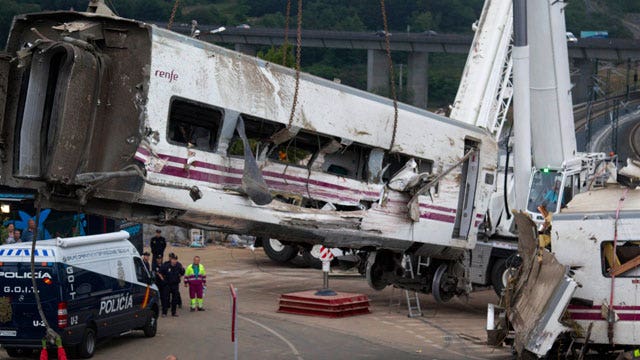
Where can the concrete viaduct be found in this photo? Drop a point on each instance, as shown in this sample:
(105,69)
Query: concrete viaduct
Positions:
(418,45)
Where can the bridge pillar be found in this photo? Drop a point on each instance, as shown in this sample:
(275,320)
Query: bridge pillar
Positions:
(377,72)
(246,49)
(418,79)
(582,80)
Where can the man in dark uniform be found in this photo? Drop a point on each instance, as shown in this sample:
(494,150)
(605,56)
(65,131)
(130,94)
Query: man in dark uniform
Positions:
(171,271)
(162,285)
(158,244)
(145,261)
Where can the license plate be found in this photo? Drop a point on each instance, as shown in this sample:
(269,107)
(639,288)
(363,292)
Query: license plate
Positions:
(8,333)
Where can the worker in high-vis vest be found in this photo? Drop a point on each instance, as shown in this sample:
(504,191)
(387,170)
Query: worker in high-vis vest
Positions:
(195,278)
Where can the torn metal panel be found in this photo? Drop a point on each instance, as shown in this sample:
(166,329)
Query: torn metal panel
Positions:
(541,295)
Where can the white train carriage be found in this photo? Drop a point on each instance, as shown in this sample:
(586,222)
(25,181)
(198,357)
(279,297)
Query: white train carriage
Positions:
(123,118)
(592,222)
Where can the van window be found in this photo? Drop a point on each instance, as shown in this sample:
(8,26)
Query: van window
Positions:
(258,131)
(193,124)
(87,282)
(141,271)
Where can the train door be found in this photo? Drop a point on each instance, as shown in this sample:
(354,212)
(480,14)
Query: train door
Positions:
(469,179)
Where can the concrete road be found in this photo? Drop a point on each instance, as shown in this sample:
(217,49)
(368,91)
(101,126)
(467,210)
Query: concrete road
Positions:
(451,331)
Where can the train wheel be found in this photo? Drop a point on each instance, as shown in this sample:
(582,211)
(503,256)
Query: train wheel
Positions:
(441,285)
(375,272)
(310,260)
(278,251)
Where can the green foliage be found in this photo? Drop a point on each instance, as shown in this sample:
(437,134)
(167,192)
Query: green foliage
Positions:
(443,16)
(275,54)
(205,14)
(422,21)
(579,17)
(9,9)
(273,20)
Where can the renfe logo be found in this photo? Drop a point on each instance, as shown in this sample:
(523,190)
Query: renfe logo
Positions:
(167,75)
(116,303)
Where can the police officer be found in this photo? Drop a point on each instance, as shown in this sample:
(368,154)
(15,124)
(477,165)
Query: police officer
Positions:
(171,271)
(158,244)
(145,261)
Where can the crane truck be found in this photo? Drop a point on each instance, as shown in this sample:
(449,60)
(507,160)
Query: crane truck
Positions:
(578,282)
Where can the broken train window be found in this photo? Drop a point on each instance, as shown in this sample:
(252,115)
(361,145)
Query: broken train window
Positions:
(626,262)
(397,161)
(350,161)
(303,149)
(194,124)
(259,132)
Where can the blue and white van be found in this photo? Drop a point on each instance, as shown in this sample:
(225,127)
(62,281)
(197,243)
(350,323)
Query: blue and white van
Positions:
(90,287)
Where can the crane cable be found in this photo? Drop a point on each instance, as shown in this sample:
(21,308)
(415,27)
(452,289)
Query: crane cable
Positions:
(298,55)
(391,75)
(173,14)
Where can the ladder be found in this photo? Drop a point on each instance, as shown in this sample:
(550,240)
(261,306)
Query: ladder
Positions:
(413,301)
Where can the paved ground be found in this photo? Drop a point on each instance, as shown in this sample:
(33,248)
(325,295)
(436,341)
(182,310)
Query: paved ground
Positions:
(451,331)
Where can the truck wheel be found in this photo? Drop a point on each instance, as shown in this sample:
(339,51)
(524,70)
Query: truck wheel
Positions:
(499,276)
(277,251)
(19,352)
(151,327)
(87,347)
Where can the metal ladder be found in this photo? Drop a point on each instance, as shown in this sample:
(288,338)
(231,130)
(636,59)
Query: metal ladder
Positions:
(413,301)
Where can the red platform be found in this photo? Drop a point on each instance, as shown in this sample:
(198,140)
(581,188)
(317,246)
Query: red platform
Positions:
(335,306)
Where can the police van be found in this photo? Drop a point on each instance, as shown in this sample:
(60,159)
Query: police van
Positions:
(90,287)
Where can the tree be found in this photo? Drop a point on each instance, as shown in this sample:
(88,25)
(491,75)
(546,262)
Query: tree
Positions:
(422,21)
(275,55)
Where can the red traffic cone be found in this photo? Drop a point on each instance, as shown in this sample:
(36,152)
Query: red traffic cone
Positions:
(62,355)
(43,353)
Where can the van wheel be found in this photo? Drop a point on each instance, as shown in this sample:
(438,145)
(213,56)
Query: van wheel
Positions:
(87,347)
(19,352)
(151,327)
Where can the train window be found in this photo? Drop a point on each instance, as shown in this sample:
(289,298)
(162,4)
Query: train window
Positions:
(624,260)
(397,161)
(194,124)
(258,131)
(300,150)
(350,161)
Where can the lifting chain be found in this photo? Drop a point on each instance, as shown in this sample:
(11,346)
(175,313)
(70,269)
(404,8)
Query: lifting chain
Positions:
(391,74)
(285,44)
(173,14)
(298,55)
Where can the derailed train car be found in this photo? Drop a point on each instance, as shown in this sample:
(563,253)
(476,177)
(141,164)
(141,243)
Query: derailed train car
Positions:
(122,118)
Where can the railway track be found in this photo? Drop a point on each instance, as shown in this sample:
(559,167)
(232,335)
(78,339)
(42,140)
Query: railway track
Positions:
(601,107)
(634,140)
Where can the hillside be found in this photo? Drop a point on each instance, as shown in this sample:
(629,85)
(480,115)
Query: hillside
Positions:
(442,16)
